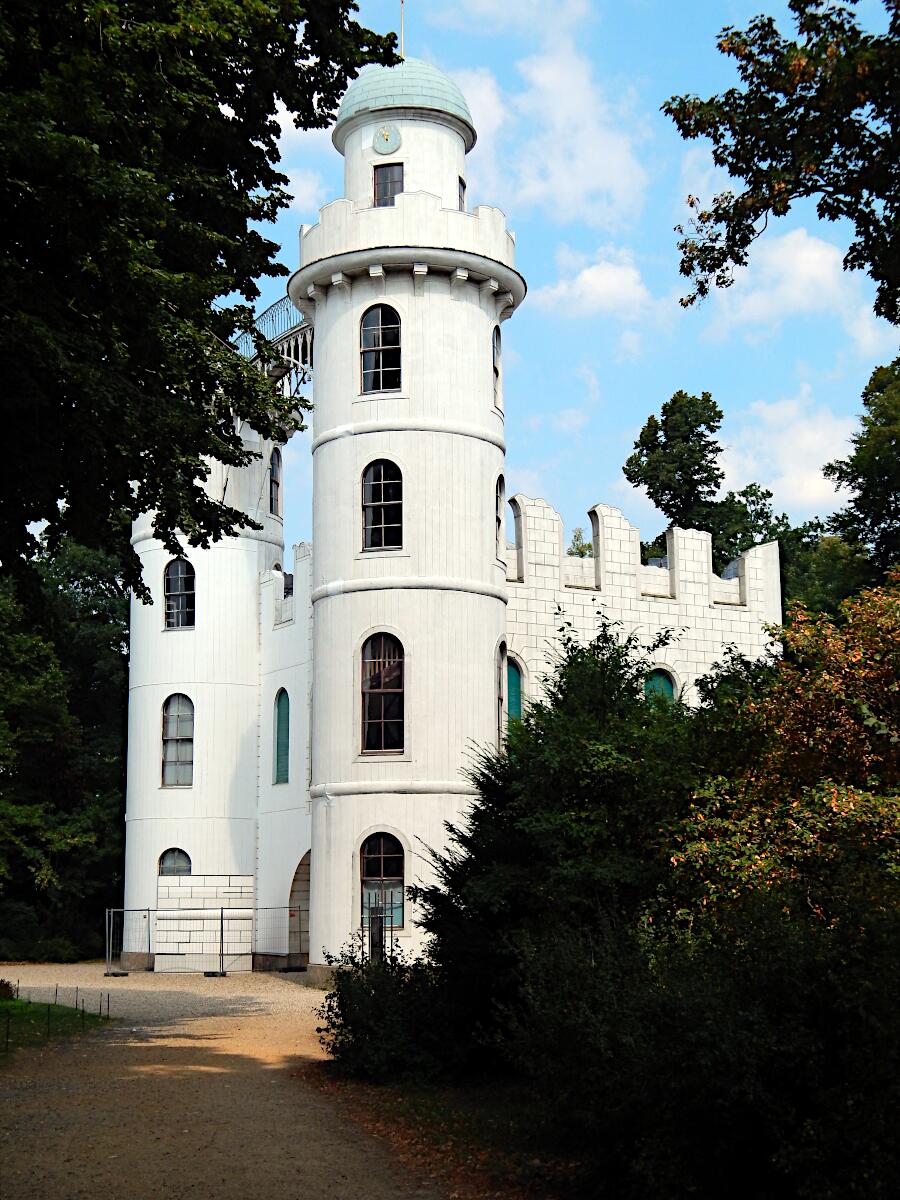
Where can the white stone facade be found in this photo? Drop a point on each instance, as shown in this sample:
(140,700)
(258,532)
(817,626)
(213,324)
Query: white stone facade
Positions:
(288,821)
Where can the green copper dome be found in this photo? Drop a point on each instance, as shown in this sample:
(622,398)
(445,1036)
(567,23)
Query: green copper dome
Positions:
(411,84)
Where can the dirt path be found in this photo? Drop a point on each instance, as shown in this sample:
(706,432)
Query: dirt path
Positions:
(208,1104)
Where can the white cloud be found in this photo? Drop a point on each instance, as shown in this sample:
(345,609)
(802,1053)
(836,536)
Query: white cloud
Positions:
(565,420)
(783,445)
(525,480)
(611,284)
(799,275)
(556,144)
(308,189)
(490,112)
(529,17)
(579,162)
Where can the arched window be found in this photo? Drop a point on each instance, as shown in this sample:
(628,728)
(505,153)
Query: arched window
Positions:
(660,683)
(501,672)
(179,588)
(382,695)
(379,347)
(174,862)
(513,690)
(275,483)
(381,877)
(282,737)
(495,355)
(178,742)
(382,506)
(499,502)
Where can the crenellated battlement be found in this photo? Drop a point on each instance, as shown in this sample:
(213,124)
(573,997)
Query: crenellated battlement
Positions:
(615,570)
(687,595)
(414,219)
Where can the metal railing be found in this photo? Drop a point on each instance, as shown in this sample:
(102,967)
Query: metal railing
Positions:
(280,322)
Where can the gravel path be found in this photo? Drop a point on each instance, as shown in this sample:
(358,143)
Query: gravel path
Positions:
(197,1090)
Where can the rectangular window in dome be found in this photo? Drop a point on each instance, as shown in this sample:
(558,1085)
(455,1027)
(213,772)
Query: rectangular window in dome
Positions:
(388,184)
(462,194)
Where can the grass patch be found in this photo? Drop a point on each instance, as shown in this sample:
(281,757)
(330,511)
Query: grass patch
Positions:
(28,1024)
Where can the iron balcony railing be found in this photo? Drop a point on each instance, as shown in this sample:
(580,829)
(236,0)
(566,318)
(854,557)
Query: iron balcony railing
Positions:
(290,334)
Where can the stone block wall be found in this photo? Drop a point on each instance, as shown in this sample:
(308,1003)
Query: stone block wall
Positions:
(194,913)
(708,612)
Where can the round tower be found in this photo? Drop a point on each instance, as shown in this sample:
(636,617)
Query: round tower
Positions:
(193,699)
(407,290)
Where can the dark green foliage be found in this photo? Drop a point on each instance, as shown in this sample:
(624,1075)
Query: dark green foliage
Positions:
(676,461)
(675,457)
(385,1020)
(815,117)
(138,154)
(63,697)
(672,929)
(872,473)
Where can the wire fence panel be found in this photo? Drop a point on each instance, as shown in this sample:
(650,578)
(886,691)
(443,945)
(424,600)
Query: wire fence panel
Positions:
(210,940)
(129,940)
(204,940)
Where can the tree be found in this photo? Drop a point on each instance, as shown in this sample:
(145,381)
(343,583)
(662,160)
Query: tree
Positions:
(579,548)
(872,473)
(138,152)
(675,456)
(816,117)
(676,461)
(63,700)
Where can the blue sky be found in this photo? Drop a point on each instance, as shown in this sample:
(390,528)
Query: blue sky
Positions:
(593,177)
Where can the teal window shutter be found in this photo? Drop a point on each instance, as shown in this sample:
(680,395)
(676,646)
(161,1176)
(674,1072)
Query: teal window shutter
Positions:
(659,683)
(282,736)
(513,691)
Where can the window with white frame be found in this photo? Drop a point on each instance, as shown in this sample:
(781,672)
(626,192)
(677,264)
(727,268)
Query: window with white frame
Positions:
(178,741)
(382,695)
(179,585)
(174,862)
(382,506)
(381,878)
(379,348)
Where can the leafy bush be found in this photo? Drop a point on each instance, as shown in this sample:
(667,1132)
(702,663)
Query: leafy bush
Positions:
(692,971)
(7,991)
(383,1019)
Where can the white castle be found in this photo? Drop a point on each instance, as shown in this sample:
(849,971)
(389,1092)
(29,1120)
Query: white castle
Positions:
(299,732)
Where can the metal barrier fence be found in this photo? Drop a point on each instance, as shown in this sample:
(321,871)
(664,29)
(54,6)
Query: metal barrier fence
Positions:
(211,941)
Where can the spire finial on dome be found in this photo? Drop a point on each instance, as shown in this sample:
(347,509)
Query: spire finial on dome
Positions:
(402,3)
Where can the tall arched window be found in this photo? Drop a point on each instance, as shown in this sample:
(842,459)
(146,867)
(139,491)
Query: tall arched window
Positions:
(282,737)
(499,513)
(495,355)
(382,695)
(501,672)
(382,505)
(381,876)
(178,741)
(379,348)
(275,483)
(513,690)
(660,683)
(180,595)
(174,862)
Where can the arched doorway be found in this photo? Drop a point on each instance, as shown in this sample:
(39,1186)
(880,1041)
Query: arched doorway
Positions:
(298,916)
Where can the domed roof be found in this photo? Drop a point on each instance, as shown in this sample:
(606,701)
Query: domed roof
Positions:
(412,83)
